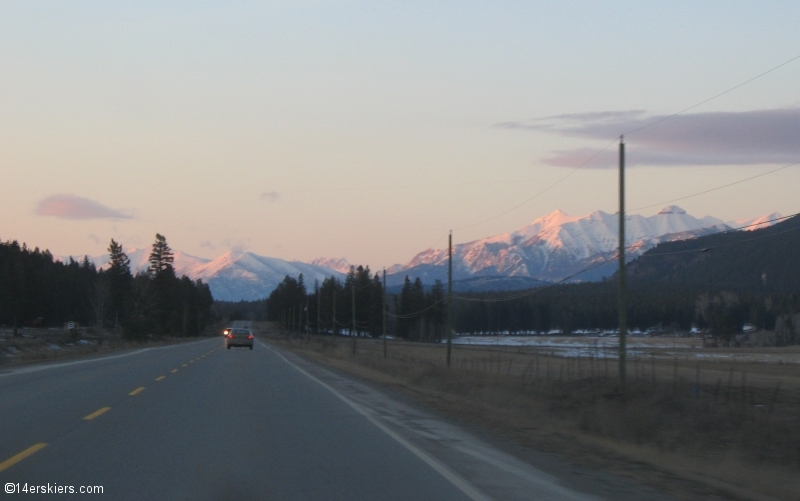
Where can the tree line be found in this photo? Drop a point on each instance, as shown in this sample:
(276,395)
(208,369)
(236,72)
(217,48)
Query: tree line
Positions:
(38,290)
(419,313)
(355,306)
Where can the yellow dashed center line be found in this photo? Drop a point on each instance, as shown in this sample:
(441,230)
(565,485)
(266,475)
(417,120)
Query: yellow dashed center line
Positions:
(184,365)
(174,371)
(22,455)
(136,391)
(98,412)
(159,378)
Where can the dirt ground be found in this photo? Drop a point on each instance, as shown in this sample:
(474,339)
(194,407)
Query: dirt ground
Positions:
(692,425)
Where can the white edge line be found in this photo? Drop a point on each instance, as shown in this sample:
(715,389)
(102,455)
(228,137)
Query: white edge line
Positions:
(440,468)
(37,368)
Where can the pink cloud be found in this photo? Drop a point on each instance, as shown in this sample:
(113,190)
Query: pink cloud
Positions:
(66,206)
(755,137)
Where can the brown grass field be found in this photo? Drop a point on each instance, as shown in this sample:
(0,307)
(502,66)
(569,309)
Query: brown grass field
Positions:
(43,345)
(696,423)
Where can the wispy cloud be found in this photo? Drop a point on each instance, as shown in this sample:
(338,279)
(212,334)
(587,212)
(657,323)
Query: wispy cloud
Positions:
(714,138)
(66,206)
(208,245)
(270,196)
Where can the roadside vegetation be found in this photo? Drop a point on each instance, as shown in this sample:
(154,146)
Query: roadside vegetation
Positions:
(688,425)
(80,302)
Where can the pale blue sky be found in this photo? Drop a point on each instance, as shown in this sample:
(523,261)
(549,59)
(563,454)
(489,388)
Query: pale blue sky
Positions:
(369,129)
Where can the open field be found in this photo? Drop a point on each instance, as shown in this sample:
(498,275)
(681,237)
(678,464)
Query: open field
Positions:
(693,425)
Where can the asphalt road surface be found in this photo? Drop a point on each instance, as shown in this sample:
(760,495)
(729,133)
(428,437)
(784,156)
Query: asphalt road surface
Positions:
(195,421)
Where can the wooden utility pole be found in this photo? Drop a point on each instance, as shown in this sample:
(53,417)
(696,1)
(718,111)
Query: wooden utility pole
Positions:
(308,329)
(319,302)
(449,296)
(333,318)
(623,304)
(354,332)
(384,313)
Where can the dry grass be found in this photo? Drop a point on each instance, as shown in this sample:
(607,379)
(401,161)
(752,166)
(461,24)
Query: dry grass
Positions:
(694,428)
(41,345)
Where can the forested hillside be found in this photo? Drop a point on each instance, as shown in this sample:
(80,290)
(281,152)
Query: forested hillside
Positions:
(720,282)
(36,290)
(760,260)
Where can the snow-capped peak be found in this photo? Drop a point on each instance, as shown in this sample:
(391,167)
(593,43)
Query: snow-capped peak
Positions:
(671,209)
(339,264)
(755,223)
(558,244)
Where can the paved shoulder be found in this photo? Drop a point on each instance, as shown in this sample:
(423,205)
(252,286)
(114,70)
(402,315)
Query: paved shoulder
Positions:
(493,473)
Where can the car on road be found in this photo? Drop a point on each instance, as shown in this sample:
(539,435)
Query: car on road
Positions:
(239,337)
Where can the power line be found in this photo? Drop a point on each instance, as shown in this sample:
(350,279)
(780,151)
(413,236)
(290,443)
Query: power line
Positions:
(711,98)
(416,313)
(706,249)
(655,122)
(718,187)
(616,255)
(540,289)
(573,171)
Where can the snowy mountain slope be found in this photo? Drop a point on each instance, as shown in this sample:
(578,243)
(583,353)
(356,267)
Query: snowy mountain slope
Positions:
(755,223)
(338,264)
(551,248)
(234,276)
(184,264)
(558,245)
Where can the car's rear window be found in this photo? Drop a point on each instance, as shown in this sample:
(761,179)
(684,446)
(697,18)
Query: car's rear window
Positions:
(240,332)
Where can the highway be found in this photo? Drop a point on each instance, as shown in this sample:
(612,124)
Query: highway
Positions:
(197,422)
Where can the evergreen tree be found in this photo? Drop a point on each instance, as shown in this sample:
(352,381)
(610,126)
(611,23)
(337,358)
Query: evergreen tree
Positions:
(161,258)
(120,280)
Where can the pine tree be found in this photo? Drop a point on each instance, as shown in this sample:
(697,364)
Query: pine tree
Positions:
(161,258)
(165,287)
(120,280)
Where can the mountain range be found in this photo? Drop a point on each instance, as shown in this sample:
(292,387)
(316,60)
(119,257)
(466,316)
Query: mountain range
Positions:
(549,249)
(558,246)
(233,276)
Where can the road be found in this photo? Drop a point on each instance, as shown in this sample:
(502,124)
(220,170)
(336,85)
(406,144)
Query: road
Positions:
(196,421)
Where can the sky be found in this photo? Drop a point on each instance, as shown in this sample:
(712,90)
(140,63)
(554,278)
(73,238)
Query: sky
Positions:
(368,130)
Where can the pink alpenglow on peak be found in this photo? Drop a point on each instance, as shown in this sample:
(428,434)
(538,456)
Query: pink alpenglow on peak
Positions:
(339,264)
(558,245)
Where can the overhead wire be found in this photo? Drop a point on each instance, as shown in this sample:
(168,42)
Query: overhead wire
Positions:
(416,313)
(717,188)
(662,119)
(630,247)
(633,131)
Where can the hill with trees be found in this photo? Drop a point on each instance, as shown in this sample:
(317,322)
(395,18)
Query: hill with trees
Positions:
(37,290)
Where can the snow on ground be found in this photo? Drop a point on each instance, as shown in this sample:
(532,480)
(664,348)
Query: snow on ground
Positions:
(638,346)
(581,346)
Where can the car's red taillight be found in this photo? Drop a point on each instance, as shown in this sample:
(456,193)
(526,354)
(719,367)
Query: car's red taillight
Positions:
(249,336)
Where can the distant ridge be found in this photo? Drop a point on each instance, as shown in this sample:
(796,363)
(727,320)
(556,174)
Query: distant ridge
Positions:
(762,260)
(234,276)
(559,245)
(547,250)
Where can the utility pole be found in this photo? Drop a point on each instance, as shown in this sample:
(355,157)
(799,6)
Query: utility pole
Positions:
(623,304)
(333,318)
(308,329)
(354,333)
(384,313)
(316,289)
(449,295)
